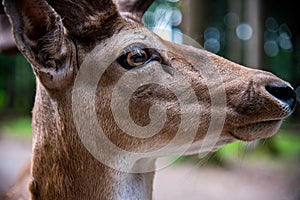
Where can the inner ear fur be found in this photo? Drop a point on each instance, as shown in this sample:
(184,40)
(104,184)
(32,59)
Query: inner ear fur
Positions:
(39,35)
(32,22)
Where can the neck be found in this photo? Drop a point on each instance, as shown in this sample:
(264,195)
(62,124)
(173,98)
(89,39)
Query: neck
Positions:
(134,186)
(63,169)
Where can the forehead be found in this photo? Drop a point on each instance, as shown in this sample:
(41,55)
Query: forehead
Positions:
(111,48)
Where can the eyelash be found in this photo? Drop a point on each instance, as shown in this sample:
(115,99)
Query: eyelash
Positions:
(136,56)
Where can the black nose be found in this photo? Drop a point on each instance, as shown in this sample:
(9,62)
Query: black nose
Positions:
(284,93)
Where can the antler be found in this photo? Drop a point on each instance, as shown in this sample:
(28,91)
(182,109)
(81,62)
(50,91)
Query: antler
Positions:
(135,7)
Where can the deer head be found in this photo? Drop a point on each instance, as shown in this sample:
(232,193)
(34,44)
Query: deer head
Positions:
(112,97)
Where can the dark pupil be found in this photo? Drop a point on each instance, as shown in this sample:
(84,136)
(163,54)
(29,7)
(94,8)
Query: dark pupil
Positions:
(138,57)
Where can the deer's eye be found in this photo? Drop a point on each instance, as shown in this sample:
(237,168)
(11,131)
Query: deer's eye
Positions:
(137,56)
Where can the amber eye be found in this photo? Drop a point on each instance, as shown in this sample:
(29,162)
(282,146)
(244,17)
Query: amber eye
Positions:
(135,56)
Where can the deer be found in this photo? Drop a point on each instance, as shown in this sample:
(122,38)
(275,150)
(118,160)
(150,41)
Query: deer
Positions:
(112,97)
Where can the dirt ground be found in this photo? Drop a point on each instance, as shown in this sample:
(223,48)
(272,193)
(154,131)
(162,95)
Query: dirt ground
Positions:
(239,181)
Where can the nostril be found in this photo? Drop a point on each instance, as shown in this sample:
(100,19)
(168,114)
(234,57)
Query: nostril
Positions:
(284,93)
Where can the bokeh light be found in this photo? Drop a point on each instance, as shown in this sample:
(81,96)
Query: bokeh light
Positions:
(212,38)
(212,45)
(271,48)
(231,20)
(244,31)
(272,25)
(285,31)
(285,37)
(285,43)
(277,37)
(163,19)
(211,32)
(176,17)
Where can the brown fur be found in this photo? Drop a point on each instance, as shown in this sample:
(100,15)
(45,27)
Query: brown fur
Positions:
(57,36)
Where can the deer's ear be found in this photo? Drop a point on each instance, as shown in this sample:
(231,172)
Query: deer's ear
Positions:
(34,23)
(39,35)
(134,9)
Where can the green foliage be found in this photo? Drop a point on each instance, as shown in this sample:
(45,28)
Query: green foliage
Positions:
(20,128)
(17,85)
(284,145)
(287,144)
(231,151)
(3,99)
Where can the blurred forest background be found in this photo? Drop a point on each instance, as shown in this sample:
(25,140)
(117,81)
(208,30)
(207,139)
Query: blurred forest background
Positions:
(259,34)
(262,34)
(256,33)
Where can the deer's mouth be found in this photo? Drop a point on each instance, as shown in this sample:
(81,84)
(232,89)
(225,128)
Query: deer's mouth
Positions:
(257,130)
